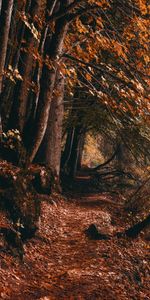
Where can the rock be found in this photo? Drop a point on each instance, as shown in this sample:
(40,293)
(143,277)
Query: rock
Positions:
(94,233)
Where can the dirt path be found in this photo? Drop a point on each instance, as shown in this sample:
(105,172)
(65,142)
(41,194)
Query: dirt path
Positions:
(62,263)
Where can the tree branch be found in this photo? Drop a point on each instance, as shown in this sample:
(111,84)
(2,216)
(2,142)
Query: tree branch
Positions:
(108,161)
(80,12)
(64,12)
(51,8)
(101,69)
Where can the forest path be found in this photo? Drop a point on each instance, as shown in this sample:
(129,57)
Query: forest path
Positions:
(61,262)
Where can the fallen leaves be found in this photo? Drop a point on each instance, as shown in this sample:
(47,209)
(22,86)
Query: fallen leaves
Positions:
(62,263)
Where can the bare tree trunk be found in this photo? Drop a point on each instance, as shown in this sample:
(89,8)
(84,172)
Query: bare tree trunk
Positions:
(6,8)
(80,153)
(34,96)
(47,85)
(50,150)
(73,160)
(68,147)
(50,6)
(5,19)
(53,134)
(26,67)
(0,5)
(13,55)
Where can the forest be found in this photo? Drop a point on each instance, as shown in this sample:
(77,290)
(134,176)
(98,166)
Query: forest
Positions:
(74,149)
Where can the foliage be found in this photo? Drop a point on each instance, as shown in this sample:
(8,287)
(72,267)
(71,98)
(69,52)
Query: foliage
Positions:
(109,59)
(11,139)
(12,148)
(92,154)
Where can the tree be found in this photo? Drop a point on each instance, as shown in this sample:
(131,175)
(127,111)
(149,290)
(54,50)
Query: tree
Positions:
(50,150)
(115,81)
(5,19)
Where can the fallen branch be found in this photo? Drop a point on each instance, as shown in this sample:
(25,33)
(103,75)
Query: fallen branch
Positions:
(108,161)
(114,173)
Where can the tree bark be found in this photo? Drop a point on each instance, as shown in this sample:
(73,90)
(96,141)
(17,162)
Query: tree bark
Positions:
(8,101)
(5,19)
(26,68)
(47,85)
(68,147)
(80,153)
(34,96)
(0,5)
(50,150)
(72,162)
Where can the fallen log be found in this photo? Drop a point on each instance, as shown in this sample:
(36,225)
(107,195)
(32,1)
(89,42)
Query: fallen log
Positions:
(134,231)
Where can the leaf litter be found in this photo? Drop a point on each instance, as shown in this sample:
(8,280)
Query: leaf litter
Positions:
(62,263)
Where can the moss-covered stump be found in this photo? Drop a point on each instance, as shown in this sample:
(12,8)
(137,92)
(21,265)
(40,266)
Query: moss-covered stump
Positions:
(19,199)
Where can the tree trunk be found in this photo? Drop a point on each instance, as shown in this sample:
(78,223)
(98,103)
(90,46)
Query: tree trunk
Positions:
(50,150)
(81,147)
(72,163)
(68,147)
(34,96)
(13,55)
(47,85)
(0,5)
(5,19)
(26,68)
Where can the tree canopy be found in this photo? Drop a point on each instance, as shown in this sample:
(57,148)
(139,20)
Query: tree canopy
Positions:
(96,51)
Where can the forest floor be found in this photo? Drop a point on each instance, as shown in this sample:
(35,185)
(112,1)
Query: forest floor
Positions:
(61,262)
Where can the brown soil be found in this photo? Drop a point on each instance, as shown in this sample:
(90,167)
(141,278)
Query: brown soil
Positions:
(61,262)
